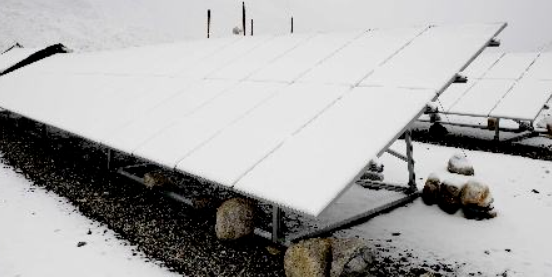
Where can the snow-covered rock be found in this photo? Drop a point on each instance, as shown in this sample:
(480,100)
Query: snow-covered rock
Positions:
(448,197)
(235,219)
(308,258)
(431,190)
(460,164)
(237,31)
(476,200)
(475,192)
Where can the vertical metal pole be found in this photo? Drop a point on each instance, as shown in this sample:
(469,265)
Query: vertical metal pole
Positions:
(410,161)
(291,25)
(496,136)
(251,27)
(109,159)
(244,18)
(208,22)
(277,220)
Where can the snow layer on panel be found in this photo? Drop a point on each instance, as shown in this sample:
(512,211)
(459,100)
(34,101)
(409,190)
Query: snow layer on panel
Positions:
(481,65)
(453,93)
(14,56)
(259,57)
(187,59)
(357,59)
(148,124)
(432,59)
(230,53)
(314,166)
(130,100)
(541,69)
(237,149)
(511,66)
(298,61)
(192,131)
(482,97)
(524,101)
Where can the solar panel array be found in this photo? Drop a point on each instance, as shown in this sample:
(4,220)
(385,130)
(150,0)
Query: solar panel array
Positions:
(289,119)
(14,56)
(513,85)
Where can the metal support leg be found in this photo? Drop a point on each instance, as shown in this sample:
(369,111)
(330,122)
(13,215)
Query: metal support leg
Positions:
(277,221)
(410,162)
(109,159)
(496,136)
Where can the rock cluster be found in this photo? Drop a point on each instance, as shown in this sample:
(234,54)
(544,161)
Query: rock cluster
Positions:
(328,257)
(454,192)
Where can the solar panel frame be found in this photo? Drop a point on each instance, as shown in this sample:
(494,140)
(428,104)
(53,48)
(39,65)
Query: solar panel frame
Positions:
(483,41)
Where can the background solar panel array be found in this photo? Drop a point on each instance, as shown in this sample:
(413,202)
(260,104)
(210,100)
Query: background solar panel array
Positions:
(289,119)
(513,85)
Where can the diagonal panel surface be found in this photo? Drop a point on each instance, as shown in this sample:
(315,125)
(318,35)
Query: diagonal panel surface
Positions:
(359,58)
(482,97)
(14,56)
(314,166)
(301,59)
(511,66)
(524,101)
(170,145)
(434,57)
(263,130)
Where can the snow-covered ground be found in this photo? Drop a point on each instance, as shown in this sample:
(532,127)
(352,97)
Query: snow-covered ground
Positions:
(100,24)
(40,233)
(518,241)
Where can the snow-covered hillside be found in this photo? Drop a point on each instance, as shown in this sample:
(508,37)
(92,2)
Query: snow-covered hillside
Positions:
(101,24)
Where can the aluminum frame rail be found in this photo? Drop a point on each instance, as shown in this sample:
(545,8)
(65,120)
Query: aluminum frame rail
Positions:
(276,234)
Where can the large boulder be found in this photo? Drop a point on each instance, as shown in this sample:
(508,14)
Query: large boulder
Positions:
(448,197)
(235,219)
(459,164)
(476,200)
(431,190)
(308,258)
(351,257)
(475,193)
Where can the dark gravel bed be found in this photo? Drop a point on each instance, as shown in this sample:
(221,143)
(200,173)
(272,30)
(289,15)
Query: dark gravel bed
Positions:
(178,236)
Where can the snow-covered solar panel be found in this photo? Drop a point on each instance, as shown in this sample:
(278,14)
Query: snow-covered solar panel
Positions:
(430,52)
(14,56)
(281,118)
(514,86)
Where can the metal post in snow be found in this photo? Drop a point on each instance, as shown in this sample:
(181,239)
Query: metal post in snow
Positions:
(251,27)
(410,161)
(291,25)
(208,22)
(244,18)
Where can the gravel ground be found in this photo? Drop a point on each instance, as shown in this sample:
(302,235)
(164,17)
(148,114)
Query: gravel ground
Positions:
(178,236)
